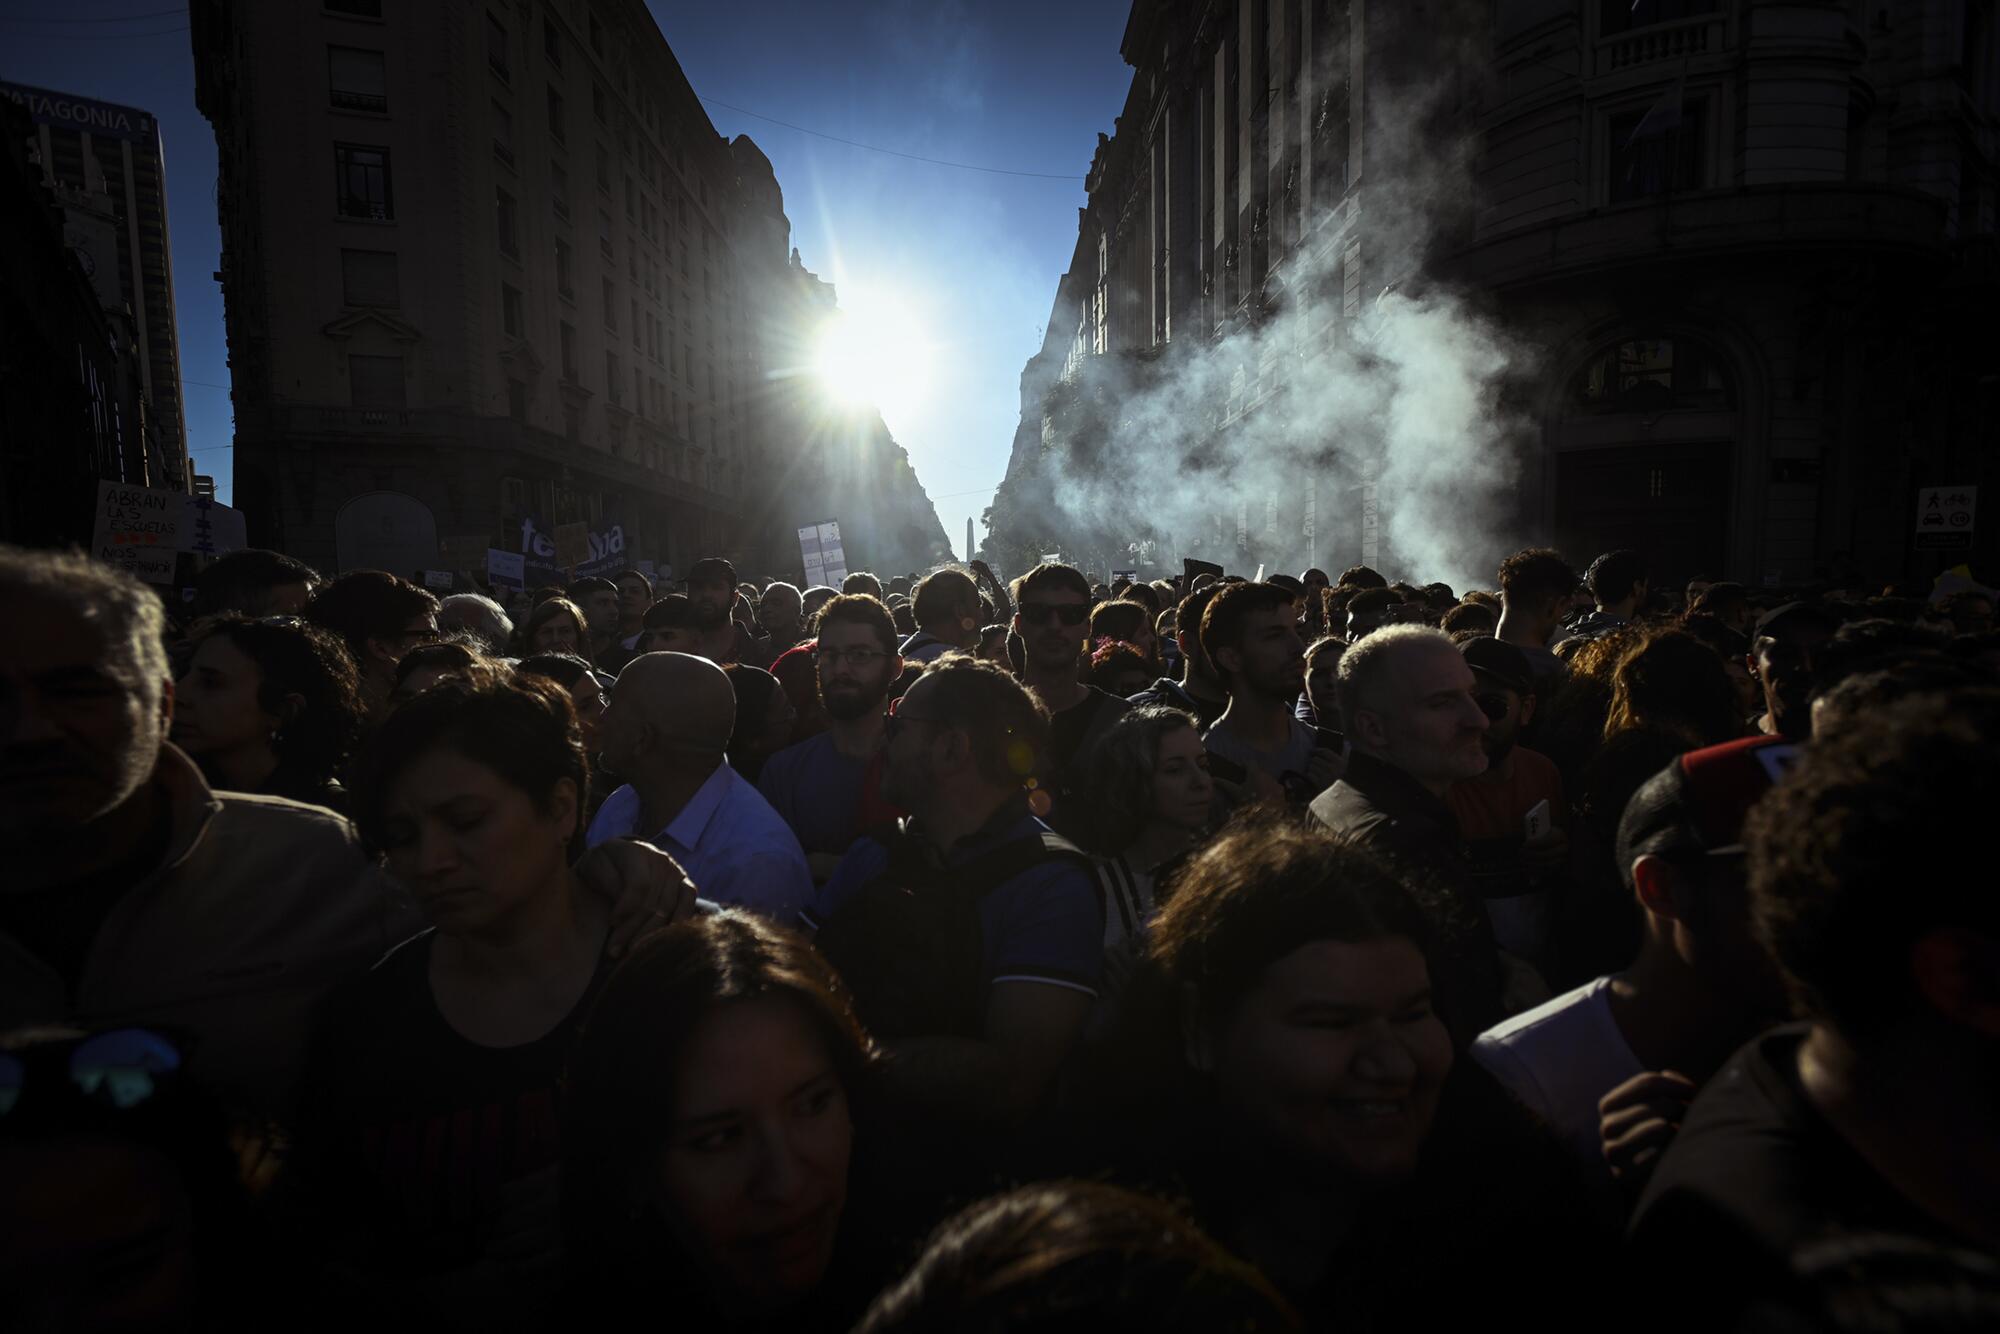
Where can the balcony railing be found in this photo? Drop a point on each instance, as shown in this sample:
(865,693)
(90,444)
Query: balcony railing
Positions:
(1663,41)
(353,101)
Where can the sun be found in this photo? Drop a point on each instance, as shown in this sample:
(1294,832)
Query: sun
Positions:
(872,352)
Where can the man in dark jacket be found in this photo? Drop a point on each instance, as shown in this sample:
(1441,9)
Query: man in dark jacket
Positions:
(1414,728)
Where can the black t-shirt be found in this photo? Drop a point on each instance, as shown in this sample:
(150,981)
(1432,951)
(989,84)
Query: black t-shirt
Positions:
(1068,729)
(410,1129)
(1754,1178)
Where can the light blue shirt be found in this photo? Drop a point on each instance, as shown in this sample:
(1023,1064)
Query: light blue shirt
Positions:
(736,849)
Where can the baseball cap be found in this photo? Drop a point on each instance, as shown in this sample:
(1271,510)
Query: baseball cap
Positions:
(1803,612)
(1698,803)
(712,569)
(1500,662)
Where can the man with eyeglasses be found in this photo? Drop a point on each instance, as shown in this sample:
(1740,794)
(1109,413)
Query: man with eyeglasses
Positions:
(1512,816)
(828,787)
(1052,616)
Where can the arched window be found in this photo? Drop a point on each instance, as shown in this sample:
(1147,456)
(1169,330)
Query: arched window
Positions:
(1653,375)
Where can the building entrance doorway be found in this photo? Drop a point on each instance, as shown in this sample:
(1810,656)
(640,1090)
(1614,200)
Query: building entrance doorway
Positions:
(1669,502)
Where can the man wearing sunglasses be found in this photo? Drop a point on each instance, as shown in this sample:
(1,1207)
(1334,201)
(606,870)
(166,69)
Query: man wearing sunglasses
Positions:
(828,787)
(1052,616)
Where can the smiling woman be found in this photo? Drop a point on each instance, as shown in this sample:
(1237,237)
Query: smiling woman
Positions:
(873,353)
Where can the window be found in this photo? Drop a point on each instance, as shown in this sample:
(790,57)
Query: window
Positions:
(505,223)
(368,278)
(559,189)
(357,79)
(635,323)
(503,134)
(611,381)
(1652,154)
(630,213)
(556,131)
(510,310)
(517,401)
(496,46)
(596,35)
(364,9)
(600,103)
(1618,16)
(604,233)
(551,41)
(375,382)
(610,306)
(1653,374)
(361,182)
(564,278)
(567,342)
(604,169)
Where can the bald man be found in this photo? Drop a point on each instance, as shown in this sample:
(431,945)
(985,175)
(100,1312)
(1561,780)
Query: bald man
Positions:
(665,734)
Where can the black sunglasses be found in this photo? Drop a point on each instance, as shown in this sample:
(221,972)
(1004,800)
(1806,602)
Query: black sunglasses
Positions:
(1041,613)
(119,1068)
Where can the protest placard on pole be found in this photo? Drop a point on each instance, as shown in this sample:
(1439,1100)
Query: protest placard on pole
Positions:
(506,569)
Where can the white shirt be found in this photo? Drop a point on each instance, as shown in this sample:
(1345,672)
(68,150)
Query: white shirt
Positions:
(736,849)
(1559,1059)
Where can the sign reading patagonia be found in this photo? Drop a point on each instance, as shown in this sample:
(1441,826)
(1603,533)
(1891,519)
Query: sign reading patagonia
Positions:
(81,113)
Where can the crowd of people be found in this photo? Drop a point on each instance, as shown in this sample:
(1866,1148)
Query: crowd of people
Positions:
(938,954)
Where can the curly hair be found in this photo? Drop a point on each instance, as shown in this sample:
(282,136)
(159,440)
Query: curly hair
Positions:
(1076,1255)
(295,657)
(1116,774)
(1673,682)
(1538,575)
(1832,891)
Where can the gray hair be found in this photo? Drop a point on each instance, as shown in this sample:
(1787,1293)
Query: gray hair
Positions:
(1368,661)
(485,604)
(124,611)
(784,590)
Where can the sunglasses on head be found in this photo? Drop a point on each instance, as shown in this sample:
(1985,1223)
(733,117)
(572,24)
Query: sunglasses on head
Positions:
(120,1068)
(1041,613)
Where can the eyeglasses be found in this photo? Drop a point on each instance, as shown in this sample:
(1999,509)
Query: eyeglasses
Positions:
(1041,613)
(120,1068)
(859,657)
(893,723)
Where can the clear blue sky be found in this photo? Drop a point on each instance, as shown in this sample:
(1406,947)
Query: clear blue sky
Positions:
(1024,85)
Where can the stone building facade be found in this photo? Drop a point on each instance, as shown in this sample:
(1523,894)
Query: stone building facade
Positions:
(486,264)
(1739,251)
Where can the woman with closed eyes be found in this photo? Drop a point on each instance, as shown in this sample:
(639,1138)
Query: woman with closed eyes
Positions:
(430,1141)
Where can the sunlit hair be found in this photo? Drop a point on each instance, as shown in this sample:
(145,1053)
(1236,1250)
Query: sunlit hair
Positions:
(1536,576)
(501,620)
(1672,682)
(1269,884)
(862,582)
(549,611)
(1008,726)
(368,604)
(1115,774)
(1146,596)
(1051,577)
(1325,644)
(1364,665)
(621,1085)
(1113,658)
(295,658)
(461,660)
(124,612)
(523,728)
(861,609)
(940,594)
(1597,659)
(1118,620)
(1076,1255)
(243,581)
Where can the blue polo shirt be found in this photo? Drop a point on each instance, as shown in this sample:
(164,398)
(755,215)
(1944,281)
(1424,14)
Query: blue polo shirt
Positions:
(817,791)
(1045,925)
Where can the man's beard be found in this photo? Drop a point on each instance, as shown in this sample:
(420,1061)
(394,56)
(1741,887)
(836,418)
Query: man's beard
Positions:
(1496,751)
(904,785)
(844,704)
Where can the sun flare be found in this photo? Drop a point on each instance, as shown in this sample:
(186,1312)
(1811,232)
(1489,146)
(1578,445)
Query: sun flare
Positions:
(873,353)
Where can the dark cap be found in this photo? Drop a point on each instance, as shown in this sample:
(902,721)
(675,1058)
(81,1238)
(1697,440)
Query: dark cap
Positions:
(672,612)
(1698,803)
(1500,662)
(712,569)
(1803,613)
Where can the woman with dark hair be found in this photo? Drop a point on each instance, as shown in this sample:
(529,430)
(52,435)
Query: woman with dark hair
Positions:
(1149,793)
(764,718)
(575,675)
(1126,622)
(555,626)
(270,706)
(1117,669)
(430,1133)
(1314,1108)
(1076,1257)
(430,665)
(713,1108)
(1672,682)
